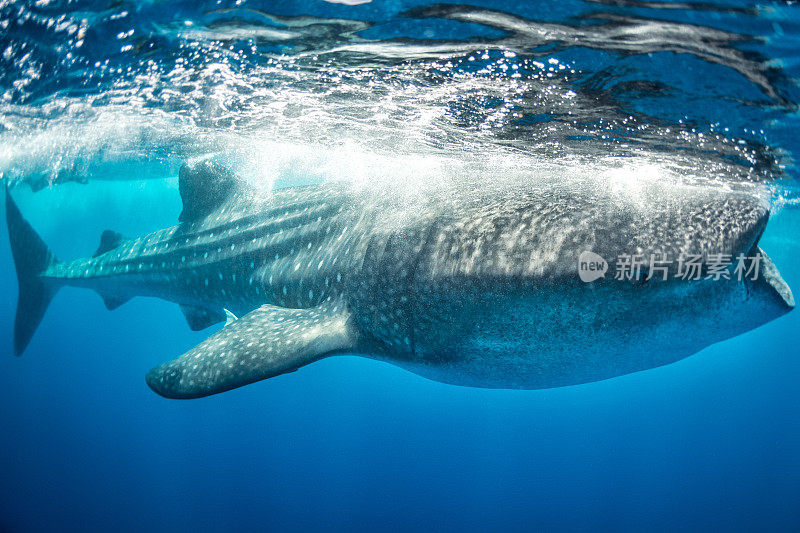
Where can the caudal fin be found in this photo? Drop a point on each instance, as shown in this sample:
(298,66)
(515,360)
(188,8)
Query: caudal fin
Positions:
(31,258)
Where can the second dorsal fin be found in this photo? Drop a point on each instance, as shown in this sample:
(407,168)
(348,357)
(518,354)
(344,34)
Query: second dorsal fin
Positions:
(200,317)
(112,302)
(108,241)
(204,187)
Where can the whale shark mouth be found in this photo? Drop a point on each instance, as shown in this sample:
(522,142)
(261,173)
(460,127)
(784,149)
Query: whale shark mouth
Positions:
(776,287)
(770,276)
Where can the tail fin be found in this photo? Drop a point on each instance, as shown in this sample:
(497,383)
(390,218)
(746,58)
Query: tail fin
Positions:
(31,257)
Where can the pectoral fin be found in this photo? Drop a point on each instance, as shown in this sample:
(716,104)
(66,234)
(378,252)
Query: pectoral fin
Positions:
(264,343)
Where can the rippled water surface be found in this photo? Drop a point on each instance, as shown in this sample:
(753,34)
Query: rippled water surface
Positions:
(102,101)
(89,88)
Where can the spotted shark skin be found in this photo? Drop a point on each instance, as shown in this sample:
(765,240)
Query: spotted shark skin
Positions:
(472,285)
(291,252)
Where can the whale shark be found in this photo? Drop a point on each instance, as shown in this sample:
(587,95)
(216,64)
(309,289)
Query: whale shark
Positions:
(476,284)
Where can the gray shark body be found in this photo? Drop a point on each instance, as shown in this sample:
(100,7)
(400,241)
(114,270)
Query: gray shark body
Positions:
(473,285)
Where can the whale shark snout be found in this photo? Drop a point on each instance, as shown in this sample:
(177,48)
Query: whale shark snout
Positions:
(770,286)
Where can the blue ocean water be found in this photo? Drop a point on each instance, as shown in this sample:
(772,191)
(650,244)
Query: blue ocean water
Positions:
(118,94)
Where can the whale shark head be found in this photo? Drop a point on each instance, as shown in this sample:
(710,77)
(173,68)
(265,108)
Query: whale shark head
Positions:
(496,278)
